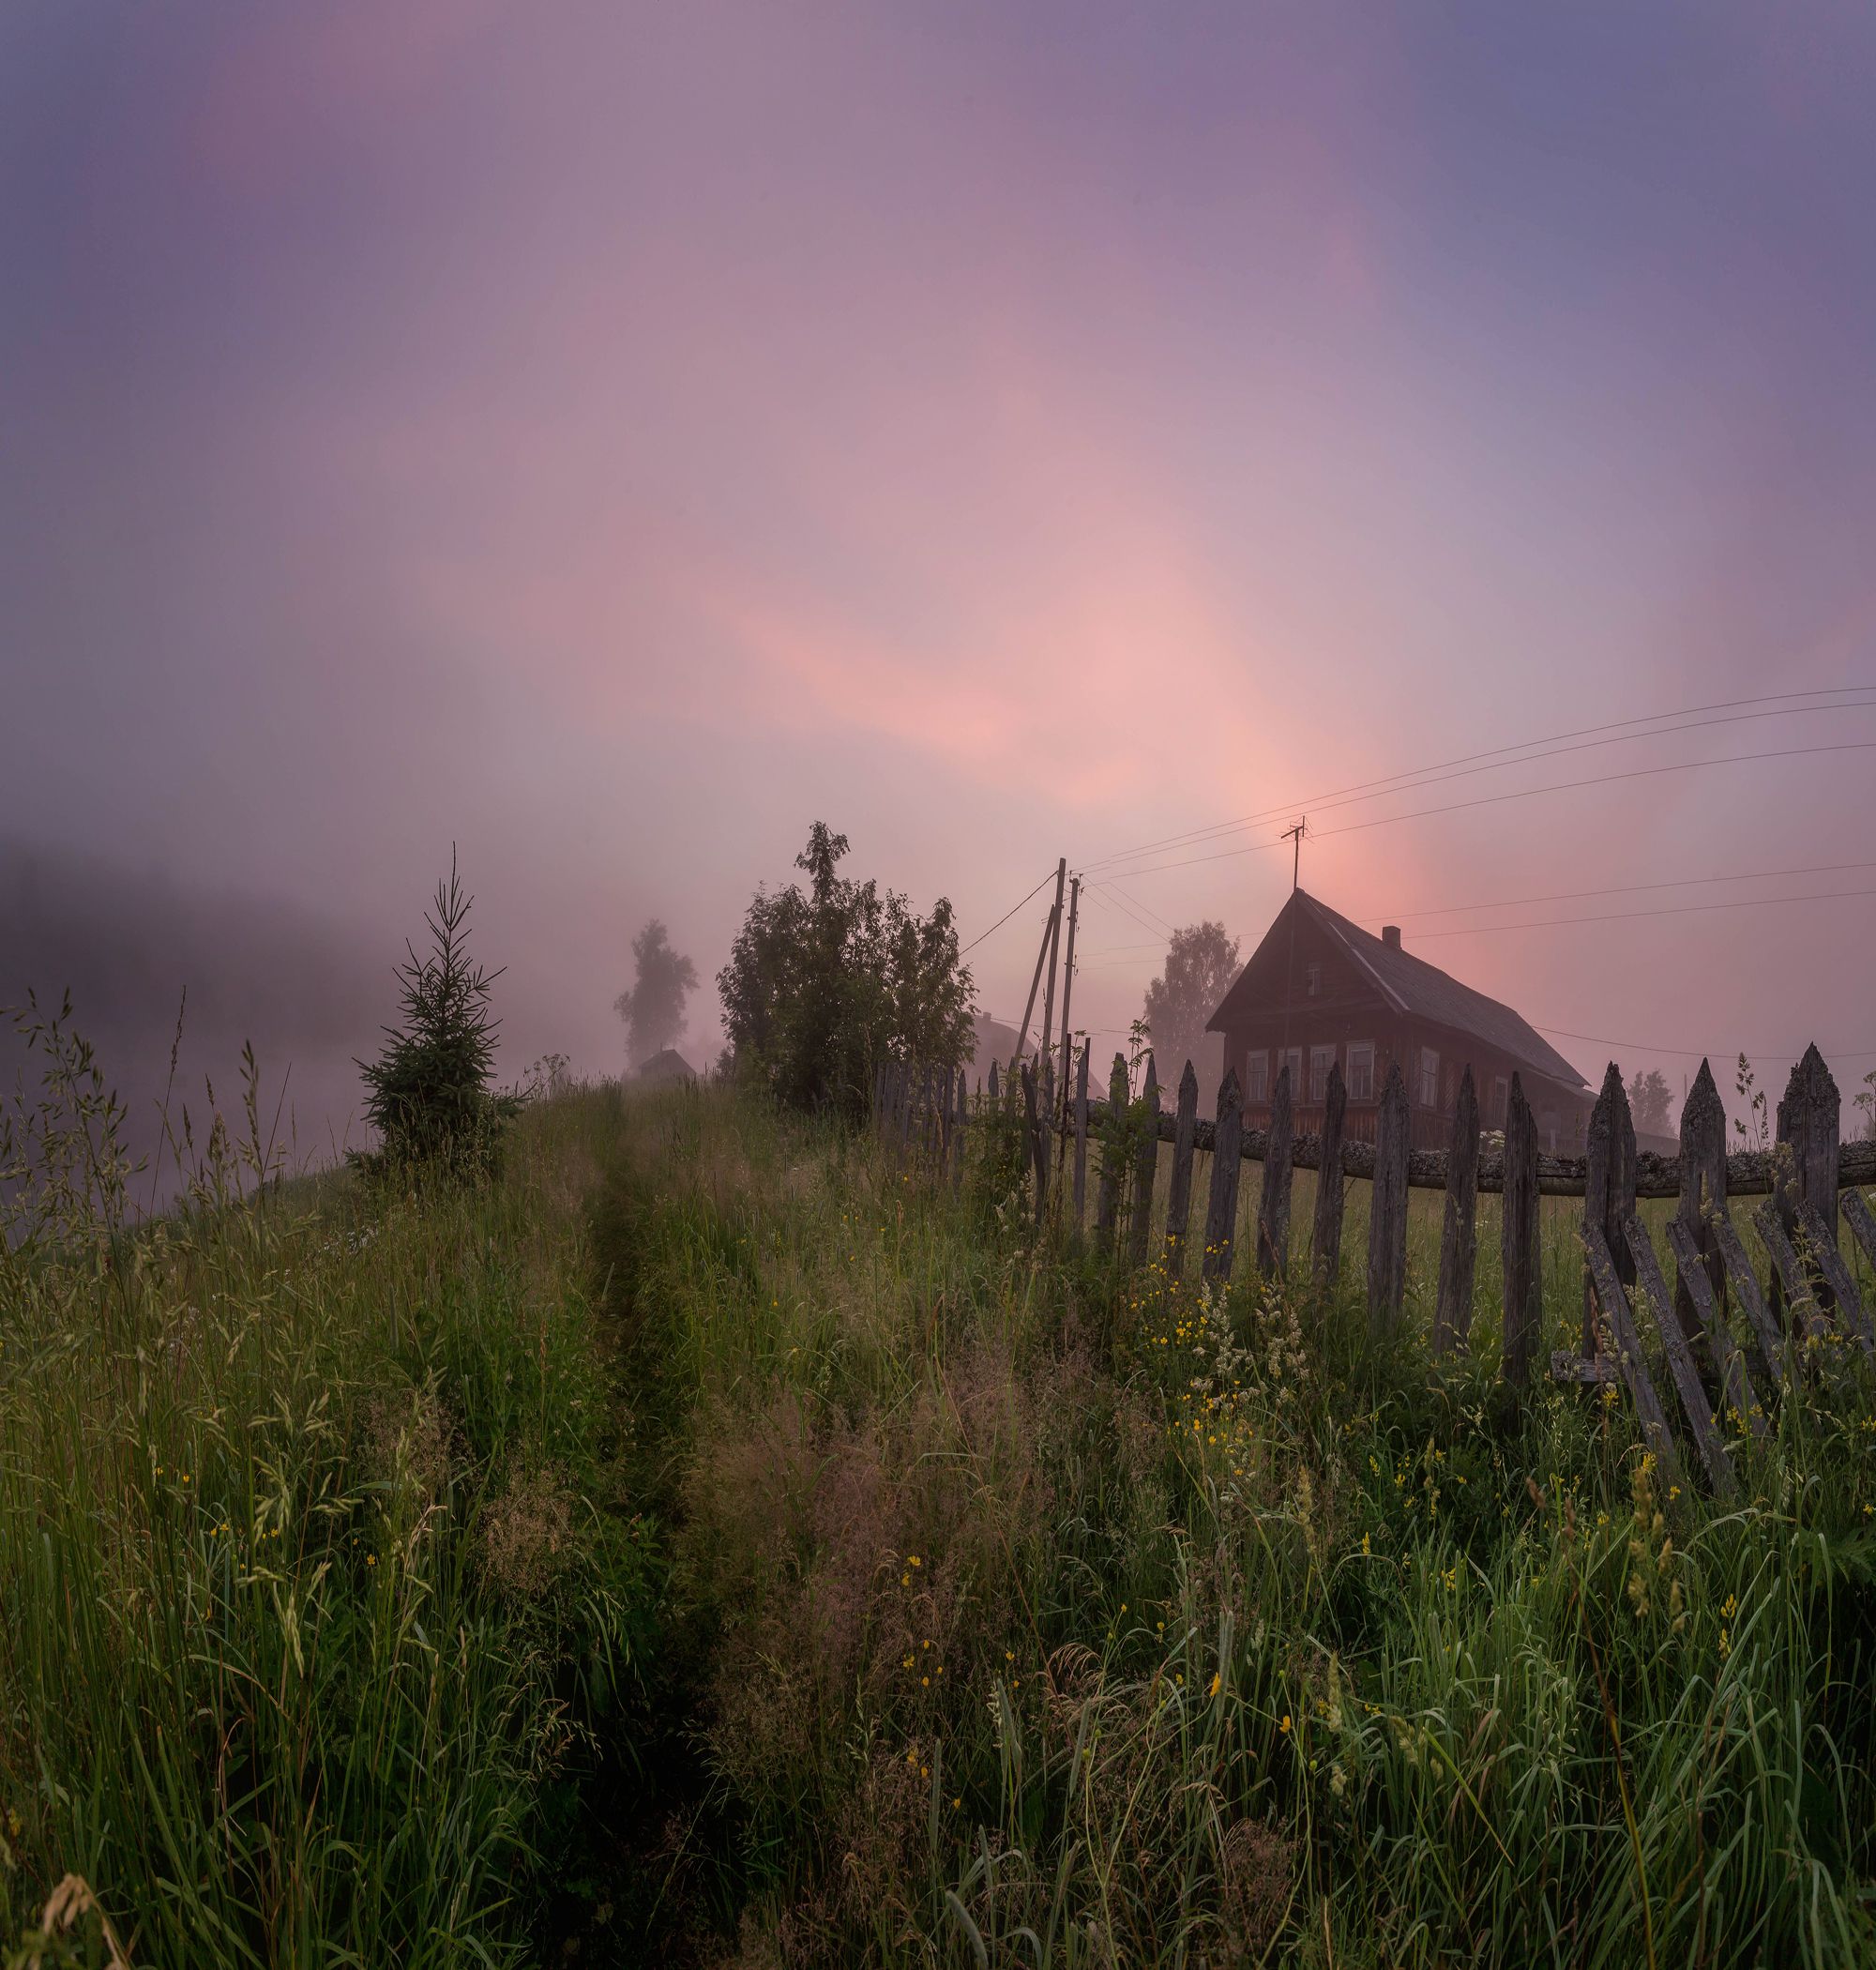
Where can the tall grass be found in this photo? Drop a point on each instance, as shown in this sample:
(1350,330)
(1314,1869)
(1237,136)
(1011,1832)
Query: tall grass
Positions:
(713,1542)
(1063,1618)
(312,1568)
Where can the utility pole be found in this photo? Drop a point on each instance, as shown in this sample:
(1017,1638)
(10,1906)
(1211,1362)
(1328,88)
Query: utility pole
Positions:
(1067,990)
(1295,834)
(1048,933)
(1042,1049)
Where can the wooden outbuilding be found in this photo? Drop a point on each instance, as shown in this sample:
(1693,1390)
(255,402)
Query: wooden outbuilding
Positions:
(1320,991)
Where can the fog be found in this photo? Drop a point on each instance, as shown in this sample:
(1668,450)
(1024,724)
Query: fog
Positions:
(608,443)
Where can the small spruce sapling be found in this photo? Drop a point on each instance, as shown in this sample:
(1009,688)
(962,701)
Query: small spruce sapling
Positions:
(428,1094)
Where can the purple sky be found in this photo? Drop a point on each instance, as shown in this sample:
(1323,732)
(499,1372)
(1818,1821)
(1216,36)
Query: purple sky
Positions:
(611,437)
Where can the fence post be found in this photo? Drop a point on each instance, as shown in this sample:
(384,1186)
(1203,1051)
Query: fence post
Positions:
(1387,1213)
(1107,1199)
(1081,1137)
(1327,1248)
(1518,1241)
(1145,1168)
(1039,1143)
(1273,1203)
(1179,1194)
(1221,1209)
(1458,1237)
(1609,1189)
(1702,1195)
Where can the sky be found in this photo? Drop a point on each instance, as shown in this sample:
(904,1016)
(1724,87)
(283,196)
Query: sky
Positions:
(607,439)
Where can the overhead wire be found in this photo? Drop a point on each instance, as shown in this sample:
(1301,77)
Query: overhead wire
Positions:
(1496,756)
(1008,913)
(1561,786)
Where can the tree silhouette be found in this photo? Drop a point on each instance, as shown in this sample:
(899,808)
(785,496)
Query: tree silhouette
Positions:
(653,1010)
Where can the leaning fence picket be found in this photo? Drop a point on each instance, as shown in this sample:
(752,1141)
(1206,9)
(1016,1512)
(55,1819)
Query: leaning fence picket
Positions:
(1818,1248)
(1459,1237)
(1221,1208)
(1861,1221)
(1179,1190)
(1788,1272)
(1625,1346)
(1691,1279)
(1326,1244)
(1694,1405)
(1273,1205)
(1518,1241)
(1768,1340)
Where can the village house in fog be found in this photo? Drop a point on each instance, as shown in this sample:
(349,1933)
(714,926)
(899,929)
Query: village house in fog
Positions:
(1320,991)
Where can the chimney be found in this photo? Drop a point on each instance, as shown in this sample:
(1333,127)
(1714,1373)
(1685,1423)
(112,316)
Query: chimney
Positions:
(1391,935)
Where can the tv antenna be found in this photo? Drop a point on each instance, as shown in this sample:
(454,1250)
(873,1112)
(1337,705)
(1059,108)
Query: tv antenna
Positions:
(1296,835)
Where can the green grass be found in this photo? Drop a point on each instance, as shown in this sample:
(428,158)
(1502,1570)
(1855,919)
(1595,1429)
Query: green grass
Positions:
(713,1543)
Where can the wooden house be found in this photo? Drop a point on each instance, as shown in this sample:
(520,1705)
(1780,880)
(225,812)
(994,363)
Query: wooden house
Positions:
(1320,991)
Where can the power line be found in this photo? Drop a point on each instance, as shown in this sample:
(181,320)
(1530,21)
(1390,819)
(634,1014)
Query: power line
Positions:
(1008,913)
(1561,786)
(1640,1046)
(1679,882)
(1738,903)
(1387,782)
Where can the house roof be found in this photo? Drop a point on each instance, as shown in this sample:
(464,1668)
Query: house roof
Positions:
(1412,986)
(667,1064)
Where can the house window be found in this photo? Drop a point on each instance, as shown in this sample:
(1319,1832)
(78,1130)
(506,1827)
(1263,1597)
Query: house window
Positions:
(1429,1077)
(1257,1075)
(1292,1059)
(1321,1060)
(1361,1070)
(1312,980)
(1501,1100)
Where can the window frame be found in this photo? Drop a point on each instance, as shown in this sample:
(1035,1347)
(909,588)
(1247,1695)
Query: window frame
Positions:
(1365,1049)
(1256,1074)
(1427,1080)
(1322,1059)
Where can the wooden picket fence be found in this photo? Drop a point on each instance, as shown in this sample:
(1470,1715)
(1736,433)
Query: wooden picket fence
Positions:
(1795,1322)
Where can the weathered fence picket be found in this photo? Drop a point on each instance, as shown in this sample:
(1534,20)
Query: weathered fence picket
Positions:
(1518,1241)
(1107,1201)
(1145,1169)
(1790,1287)
(1388,1210)
(1273,1203)
(1326,1244)
(1625,1346)
(1609,1186)
(1703,1195)
(1690,1265)
(1035,1138)
(1767,1339)
(1081,1137)
(1861,1221)
(1458,1237)
(1221,1208)
(1681,1367)
(1179,1190)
